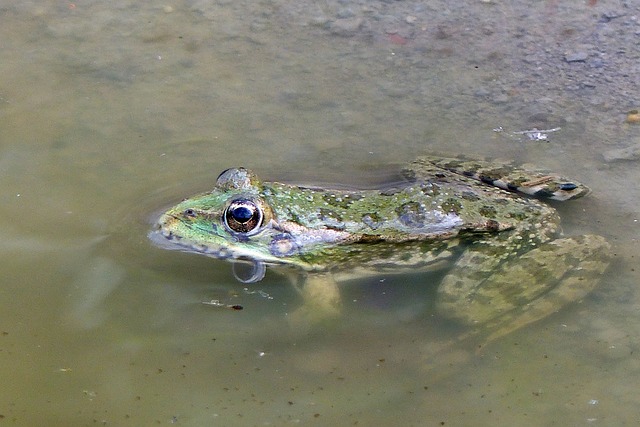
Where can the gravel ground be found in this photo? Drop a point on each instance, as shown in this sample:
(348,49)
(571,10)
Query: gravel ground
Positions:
(526,65)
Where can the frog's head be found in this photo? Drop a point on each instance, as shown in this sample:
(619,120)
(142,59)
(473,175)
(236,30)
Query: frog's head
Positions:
(232,222)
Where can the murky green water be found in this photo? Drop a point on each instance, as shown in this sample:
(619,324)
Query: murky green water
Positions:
(111,112)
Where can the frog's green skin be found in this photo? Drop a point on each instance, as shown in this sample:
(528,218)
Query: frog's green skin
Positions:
(510,266)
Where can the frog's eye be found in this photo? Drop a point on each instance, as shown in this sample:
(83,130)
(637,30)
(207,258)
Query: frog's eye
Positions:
(242,216)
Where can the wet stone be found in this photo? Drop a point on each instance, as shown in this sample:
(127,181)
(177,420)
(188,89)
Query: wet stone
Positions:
(481,92)
(345,13)
(579,56)
(620,154)
(500,99)
(346,27)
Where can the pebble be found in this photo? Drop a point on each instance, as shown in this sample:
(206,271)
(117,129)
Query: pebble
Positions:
(500,99)
(628,153)
(319,21)
(609,15)
(531,59)
(633,117)
(345,13)
(346,27)
(481,92)
(579,56)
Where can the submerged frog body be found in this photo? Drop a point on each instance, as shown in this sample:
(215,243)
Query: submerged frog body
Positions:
(509,265)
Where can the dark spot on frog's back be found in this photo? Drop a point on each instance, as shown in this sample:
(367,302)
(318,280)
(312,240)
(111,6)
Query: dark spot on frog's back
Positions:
(488,211)
(409,175)
(430,189)
(331,218)
(492,225)
(490,175)
(411,214)
(517,215)
(454,164)
(372,220)
(487,179)
(470,195)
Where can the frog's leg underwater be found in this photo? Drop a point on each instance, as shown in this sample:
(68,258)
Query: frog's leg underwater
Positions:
(524,289)
(321,300)
(504,294)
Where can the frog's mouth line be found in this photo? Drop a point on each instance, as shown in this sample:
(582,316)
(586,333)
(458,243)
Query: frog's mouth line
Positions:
(166,239)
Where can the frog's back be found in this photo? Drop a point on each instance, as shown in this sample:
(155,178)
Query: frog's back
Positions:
(437,205)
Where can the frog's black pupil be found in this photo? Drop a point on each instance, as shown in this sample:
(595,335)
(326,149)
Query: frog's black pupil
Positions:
(242,214)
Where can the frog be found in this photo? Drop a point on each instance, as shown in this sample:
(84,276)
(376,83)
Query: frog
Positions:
(492,223)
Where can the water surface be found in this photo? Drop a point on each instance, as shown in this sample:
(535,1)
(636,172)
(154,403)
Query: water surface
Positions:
(111,112)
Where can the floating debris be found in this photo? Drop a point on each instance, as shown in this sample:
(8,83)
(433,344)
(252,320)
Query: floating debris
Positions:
(217,303)
(260,292)
(534,134)
(633,117)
